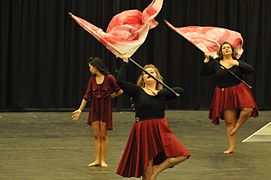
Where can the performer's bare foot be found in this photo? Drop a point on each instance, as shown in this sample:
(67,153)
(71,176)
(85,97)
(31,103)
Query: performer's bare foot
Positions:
(95,163)
(234,131)
(229,151)
(104,164)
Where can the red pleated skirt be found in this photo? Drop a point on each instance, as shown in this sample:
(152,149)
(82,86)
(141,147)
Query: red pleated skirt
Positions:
(235,97)
(149,139)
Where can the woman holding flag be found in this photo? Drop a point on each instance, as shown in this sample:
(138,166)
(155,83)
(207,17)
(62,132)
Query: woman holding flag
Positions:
(232,99)
(151,146)
(102,87)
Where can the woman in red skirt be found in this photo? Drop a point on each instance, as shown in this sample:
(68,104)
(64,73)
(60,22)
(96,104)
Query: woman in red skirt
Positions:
(151,146)
(102,87)
(232,99)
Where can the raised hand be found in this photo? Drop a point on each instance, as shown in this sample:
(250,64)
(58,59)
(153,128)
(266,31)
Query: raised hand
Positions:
(207,58)
(124,57)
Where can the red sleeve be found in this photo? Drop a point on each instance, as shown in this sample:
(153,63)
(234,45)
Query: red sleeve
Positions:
(87,93)
(113,83)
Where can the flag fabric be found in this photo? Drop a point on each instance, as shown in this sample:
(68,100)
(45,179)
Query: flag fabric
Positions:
(126,31)
(208,39)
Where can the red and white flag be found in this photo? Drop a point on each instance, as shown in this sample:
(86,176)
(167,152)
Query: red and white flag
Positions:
(127,30)
(208,39)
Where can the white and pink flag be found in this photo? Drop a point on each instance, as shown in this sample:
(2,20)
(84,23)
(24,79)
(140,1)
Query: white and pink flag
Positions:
(208,39)
(127,30)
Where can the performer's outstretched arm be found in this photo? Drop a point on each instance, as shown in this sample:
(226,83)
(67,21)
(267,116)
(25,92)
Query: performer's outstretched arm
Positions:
(127,87)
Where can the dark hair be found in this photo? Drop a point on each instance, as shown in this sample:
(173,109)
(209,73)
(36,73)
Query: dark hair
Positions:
(98,64)
(219,52)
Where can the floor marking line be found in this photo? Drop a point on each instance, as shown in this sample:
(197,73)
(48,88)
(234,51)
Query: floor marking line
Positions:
(256,132)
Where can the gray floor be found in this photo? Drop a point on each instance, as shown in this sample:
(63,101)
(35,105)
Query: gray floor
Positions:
(49,145)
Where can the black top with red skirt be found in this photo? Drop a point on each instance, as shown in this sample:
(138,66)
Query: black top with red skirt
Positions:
(150,137)
(230,92)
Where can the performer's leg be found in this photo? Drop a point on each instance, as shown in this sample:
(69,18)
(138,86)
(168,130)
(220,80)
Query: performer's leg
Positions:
(169,162)
(104,143)
(147,174)
(244,115)
(230,119)
(97,143)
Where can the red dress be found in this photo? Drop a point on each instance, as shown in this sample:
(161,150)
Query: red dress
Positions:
(100,99)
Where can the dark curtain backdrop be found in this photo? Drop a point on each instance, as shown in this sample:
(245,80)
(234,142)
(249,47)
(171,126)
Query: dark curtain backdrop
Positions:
(44,52)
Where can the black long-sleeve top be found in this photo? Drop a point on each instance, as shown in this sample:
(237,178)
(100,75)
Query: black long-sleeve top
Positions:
(224,79)
(146,106)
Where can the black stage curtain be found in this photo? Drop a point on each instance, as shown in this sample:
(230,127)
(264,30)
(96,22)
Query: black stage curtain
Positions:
(44,53)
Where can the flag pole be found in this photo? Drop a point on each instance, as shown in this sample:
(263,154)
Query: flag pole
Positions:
(159,81)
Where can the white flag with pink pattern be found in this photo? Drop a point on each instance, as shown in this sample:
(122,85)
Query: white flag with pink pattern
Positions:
(208,39)
(127,30)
